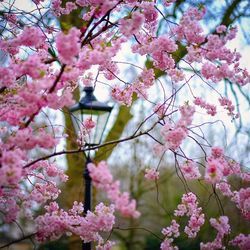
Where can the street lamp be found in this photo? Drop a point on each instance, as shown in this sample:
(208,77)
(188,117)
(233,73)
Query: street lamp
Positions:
(99,112)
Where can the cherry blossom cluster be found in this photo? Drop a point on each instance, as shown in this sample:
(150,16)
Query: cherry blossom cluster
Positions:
(190,170)
(170,232)
(174,134)
(242,200)
(152,174)
(228,105)
(188,207)
(144,81)
(222,226)
(242,241)
(210,108)
(103,180)
(219,168)
(56,222)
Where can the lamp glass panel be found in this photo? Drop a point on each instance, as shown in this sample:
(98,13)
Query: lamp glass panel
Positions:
(99,117)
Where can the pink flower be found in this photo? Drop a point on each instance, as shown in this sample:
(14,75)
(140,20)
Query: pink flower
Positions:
(149,12)
(151,174)
(189,207)
(213,172)
(225,188)
(167,245)
(103,179)
(190,170)
(89,123)
(32,37)
(223,228)
(129,26)
(176,75)
(241,241)
(171,231)
(221,28)
(68,45)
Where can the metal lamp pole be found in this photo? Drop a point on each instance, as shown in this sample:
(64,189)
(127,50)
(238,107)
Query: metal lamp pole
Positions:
(87,196)
(89,106)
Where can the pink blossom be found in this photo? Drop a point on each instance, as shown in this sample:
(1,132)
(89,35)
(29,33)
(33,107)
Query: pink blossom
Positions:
(197,219)
(89,123)
(31,36)
(225,189)
(129,26)
(217,152)
(241,241)
(53,224)
(147,77)
(214,171)
(100,174)
(167,245)
(7,77)
(149,12)
(160,110)
(210,108)
(107,246)
(223,228)
(103,179)
(68,45)
(242,200)
(174,135)
(190,170)
(189,207)
(171,231)
(221,29)
(176,75)
(189,27)
(123,96)
(151,174)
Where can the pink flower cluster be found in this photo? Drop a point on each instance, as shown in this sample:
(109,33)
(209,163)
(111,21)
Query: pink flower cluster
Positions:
(208,50)
(170,232)
(176,75)
(225,188)
(123,96)
(189,27)
(242,200)
(28,139)
(215,49)
(144,81)
(58,10)
(56,222)
(218,167)
(130,26)
(241,241)
(190,170)
(174,135)
(210,108)
(68,45)
(152,174)
(31,37)
(189,207)
(223,228)
(228,105)
(159,48)
(103,180)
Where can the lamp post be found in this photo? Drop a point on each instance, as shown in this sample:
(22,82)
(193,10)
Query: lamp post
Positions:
(87,107)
